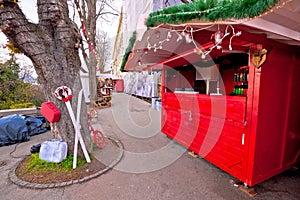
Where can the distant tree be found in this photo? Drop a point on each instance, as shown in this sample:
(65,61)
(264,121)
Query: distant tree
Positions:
(38,95)
(102,49)
(89,12)
(14,92)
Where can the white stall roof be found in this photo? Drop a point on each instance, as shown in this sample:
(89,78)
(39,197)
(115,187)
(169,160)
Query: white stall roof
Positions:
(283,24)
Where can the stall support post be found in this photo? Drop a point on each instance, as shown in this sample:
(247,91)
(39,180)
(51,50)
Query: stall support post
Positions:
(207,86)
(163,82)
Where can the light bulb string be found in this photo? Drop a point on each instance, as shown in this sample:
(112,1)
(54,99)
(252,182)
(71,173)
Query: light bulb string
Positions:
(188,27)
(188,32)
(279,4)
(86,33)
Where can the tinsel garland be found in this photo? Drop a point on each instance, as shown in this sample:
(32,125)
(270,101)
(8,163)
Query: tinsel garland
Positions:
(210,10)
(128,51)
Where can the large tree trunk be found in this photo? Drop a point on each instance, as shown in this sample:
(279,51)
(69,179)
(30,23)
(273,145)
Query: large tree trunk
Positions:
(52,46)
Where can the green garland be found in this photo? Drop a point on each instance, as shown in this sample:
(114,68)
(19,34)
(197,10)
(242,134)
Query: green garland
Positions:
(210,10)
(128,51)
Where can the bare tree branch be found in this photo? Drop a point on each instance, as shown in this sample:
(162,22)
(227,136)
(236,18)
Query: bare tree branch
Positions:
(185,1)
(112,7)
(104,13)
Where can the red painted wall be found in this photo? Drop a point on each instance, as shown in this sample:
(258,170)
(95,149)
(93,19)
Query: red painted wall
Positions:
(276,134)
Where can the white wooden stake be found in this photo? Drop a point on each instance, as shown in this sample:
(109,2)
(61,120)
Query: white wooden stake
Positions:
(78,124)
(64,93)
(77,134)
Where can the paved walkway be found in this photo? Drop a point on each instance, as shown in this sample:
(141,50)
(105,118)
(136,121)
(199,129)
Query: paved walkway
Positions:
(153,166)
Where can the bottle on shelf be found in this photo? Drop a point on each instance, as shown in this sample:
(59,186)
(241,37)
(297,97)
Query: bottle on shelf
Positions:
(241,90)
(246,75)
(241,75)
(235,77)
(237,90)
(240,78)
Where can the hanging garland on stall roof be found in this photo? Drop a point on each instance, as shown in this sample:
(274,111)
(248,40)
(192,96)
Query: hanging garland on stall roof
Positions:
(210,10)
(128,51)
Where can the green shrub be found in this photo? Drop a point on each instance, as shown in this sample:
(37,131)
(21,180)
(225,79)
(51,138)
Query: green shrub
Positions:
(22,105)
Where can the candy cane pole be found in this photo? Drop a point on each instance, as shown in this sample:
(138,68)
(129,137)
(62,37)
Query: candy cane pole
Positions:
(64,93)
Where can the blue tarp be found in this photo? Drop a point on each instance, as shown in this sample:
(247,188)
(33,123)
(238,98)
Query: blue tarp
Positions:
(17,128)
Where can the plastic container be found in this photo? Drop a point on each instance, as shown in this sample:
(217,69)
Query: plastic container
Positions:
(158,104)
(154,102)
(53,151)
(50,112)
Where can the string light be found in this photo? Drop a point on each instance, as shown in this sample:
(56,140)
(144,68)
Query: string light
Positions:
(191,12)
(187,32)
(278,5)
(83,29)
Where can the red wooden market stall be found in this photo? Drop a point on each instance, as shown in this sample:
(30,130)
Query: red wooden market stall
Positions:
(230,94)
(253,134)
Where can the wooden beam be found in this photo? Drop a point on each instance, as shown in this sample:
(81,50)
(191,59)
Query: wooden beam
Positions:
(274,28)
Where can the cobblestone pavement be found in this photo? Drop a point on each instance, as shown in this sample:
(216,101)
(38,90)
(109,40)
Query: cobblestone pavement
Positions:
(153,166)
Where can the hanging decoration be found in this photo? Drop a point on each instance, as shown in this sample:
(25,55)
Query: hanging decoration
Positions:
(218,38)
(187,35)
(259,56)
(209,13)
(63,93)
(86,34)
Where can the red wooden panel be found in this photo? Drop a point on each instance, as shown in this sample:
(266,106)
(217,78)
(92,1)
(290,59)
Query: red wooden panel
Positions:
(274,144)
(231,108)
(179,101)
(227,150)
(186,101)
(218,140)
(186,133)
(171,124)
(170,100)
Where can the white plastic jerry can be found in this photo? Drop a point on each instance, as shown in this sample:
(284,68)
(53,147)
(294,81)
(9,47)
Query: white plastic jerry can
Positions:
(53,151)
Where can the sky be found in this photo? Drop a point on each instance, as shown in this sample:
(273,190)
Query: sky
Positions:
(30,10)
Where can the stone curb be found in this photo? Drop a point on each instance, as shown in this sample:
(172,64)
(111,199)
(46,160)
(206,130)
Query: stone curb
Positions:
(13,177)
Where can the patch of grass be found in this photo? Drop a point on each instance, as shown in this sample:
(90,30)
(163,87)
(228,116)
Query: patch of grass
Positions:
(35,163)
